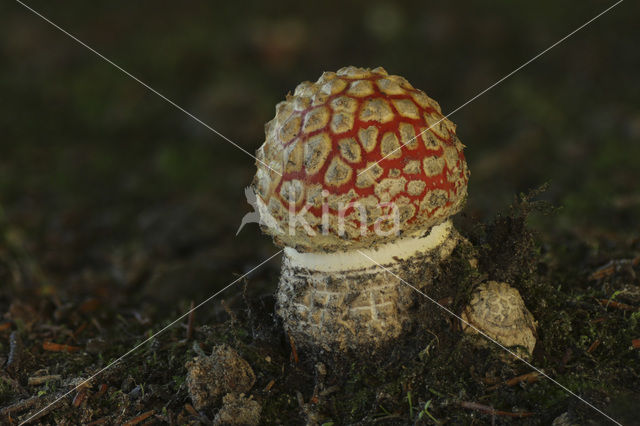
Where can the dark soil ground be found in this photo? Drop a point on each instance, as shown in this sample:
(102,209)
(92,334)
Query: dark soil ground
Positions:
(117,212)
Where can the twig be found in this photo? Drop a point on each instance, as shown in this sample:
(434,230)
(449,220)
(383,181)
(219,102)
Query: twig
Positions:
(76,333)
(101,390)
(140,418)
(614,266)
(15,344)
(387,417)
(191,410)
(18,406)
(57,347)
(294,352)
(99,422)
(269,385)
(617,305)
(190,321)
(229,311)
(493,411)
(38,380)
(527,378)
(80,397)
(51,402)
(593,346)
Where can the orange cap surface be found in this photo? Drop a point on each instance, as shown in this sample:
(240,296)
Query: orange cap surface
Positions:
(353,152)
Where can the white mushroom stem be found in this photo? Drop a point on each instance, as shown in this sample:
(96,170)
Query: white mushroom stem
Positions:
(387,254)
(343,300)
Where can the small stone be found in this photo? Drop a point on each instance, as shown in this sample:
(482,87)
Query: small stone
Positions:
(135,393)
(208,378)
(238,410)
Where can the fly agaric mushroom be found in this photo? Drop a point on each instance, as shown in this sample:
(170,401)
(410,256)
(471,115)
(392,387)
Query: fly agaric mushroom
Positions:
(358,164)
(497,309)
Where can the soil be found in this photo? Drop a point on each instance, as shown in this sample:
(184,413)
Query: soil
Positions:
(587,326)
(118,213)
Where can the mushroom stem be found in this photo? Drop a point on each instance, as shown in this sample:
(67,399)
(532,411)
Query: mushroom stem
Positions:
(341,301)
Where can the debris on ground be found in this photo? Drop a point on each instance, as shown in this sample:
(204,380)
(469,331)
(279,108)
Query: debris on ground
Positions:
(211,377)
(238,410)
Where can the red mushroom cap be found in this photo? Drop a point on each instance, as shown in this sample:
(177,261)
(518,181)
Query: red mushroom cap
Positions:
(351,152)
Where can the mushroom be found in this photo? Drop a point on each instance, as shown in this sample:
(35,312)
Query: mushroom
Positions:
(497,309)
(358,166)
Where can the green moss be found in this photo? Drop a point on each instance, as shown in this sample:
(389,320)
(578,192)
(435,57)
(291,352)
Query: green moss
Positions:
(6,391)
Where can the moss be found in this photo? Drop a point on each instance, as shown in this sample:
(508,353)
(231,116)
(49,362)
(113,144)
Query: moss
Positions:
(281,408)
(6,391)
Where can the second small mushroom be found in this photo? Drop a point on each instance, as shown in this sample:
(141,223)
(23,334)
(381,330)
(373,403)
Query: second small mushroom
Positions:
(497,310)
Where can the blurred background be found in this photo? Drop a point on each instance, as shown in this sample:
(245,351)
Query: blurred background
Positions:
(107,189)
